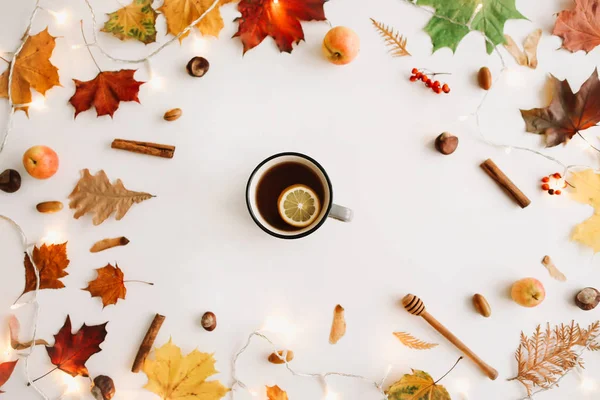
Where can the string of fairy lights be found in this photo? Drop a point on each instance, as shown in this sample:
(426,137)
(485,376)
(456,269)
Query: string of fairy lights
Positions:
(61,17)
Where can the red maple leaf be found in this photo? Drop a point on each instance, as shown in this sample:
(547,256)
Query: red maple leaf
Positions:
(105,92)
(6,370)
(279,19)
(580,27)
(71,351)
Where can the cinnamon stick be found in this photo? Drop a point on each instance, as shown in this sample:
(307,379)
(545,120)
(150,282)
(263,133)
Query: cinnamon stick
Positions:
(505,183)
(151,149)
(147,343)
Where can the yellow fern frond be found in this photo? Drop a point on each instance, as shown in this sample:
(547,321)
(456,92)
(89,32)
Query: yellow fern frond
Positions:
(410,341)
(394,40)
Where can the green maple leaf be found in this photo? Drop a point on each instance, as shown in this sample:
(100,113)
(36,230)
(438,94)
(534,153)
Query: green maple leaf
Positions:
(489,20)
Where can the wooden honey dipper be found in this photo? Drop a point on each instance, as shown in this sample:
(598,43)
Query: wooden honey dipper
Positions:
(415,306)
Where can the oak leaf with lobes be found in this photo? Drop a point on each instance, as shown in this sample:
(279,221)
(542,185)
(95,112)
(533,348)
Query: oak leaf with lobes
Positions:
(579,28)
(568,113)
(109,285)
(105,92)
(181,13)
(51,261)
(96,195)
(280,20)
(71,351)
(6,370)
(33,70)
(173,376)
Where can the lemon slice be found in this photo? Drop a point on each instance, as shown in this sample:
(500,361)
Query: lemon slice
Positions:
(299,206)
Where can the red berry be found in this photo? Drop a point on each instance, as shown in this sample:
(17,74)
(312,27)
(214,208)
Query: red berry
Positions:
(551,191)
(428,83)
(414,71)
(545,179)
(437,89)
(557,192)
(556,175)
(545,186)
(424,78)
(413,78)
(419,75)
(446,88)
(436,83)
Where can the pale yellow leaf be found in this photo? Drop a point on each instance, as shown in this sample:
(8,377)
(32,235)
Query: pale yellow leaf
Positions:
(173,376)
(96,195)
(181,13)
(412,342)
(530,46)
(275,393)
(586,190)
(553,270)
(515,51)
(338,327)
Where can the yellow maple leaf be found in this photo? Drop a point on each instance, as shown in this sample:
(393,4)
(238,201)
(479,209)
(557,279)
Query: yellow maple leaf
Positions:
(416,386)
(175,377)
(135,21)
(587,191)
(33,69)
(181,13)
(275,393)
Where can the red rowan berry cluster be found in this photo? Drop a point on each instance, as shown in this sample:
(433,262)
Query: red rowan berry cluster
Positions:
(436,86)
(553,184)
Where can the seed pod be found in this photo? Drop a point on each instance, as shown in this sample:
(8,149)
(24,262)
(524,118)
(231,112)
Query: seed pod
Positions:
(481,305)
(173,114)
(103,388)
(587,299)
(198,67)
(446,143)
(10,181)
(49,207)
(275,358)
(209,321)
(484,77)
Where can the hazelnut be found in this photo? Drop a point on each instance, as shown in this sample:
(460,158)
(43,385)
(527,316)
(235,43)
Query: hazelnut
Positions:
(209,321)
(198,67)
(446,143)
(49,207)
(276,358)
(103,388)
(587,299)
(173,114)
(484,78)
(481,305)
(10,181)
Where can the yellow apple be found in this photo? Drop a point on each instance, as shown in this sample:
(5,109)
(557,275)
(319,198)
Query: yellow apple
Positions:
(41,162)
(341,45)
(528,292)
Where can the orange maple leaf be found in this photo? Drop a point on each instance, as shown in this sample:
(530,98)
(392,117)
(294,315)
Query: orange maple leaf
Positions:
(51,262)
(71,351)
(579,27)
(33,69)
(109,285)
(280,20)
(105,92)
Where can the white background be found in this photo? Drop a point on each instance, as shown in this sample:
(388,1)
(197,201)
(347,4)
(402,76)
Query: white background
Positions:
(428,224)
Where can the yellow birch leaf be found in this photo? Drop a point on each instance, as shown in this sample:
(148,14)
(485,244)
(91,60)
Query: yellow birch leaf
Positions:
(135,21)
(181,13)
(175,377)
(587,191)
(417,386)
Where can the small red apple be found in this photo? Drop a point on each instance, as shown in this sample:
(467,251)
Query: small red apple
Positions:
(41,162)
(341,45)
(528,292)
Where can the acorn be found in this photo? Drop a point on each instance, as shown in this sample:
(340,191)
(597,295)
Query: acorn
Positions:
(587,299)
(103,388)
(10,181)
(198,67)
(173,114)
(446,143)
(484,78)
(209,321)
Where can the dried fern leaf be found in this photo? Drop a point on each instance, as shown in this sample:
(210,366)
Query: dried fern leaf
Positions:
(412,342)
(545,357)
(394,40)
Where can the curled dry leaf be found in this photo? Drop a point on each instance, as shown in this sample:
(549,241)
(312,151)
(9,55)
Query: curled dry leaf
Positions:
(338,327)
(96,195)
(394,40)
(135,21)
(528,57)
(106,244)
(14,328)
(173,376)
(412,342)
(553,270)
(586,190)
(275,393)
(549,354)
(51,262)
(6,370)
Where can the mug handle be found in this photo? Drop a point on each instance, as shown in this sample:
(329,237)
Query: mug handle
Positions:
(341,213)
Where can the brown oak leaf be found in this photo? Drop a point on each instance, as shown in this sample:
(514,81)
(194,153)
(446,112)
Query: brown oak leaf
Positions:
(280,20)
(105,92)
(568,113)
(96,195)
(33,70)
(51,262)
(6,370)
(181,13)
(71,351)
(275,393)
(579,28)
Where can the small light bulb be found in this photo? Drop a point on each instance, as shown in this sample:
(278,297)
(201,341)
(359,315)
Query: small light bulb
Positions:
(53,237)
(76,47)
(275,1)
(199,44)
(253,393)
(39,102)
(331,395)
(156,82)
(281,326)
(514,78)
(61,17)
(588,385)
(463,118)
(72,385)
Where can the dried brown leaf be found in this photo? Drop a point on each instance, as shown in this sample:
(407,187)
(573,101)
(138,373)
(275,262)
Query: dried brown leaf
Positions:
(14,328)
(96,195)
(528,57)
(515,51)
(338,327)
(275,393)
(394,40)
(412,342)
(553,270)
